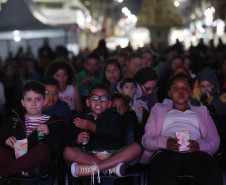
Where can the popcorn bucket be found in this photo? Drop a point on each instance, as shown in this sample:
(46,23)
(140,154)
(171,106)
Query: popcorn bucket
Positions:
(102,155)
(183,140)
(20,147)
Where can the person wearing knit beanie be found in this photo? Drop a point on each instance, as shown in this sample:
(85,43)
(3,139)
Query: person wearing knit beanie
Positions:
(209,75)
(209,93)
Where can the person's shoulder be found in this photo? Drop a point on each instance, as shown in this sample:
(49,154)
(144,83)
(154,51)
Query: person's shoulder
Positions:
(18,110)
(111,112)
(195,102)
(81,73)
(16,114)
(130,114)
(70,87)
(55,118)
(198,108)
(162,105)
(61,104)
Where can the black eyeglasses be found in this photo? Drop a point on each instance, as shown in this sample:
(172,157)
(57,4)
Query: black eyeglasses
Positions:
(149,88)
(51,92)
(96,97)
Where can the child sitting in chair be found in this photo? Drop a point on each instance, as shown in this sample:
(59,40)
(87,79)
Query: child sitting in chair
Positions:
(103,131)
(130,88)
(25,125)
(181,139)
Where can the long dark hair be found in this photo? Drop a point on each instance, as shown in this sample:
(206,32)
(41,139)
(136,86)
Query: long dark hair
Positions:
(117,64)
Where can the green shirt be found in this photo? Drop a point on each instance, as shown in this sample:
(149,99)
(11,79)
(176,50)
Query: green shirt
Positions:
(84,89)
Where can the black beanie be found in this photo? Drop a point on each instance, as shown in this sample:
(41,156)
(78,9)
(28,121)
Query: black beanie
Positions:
(209,75)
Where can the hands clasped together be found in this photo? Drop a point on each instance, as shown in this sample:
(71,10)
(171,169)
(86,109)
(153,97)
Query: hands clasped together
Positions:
(172,144)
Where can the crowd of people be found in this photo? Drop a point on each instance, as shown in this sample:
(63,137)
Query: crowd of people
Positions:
(84,104)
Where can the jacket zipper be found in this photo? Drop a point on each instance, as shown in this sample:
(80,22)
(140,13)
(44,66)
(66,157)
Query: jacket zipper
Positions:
(24,124)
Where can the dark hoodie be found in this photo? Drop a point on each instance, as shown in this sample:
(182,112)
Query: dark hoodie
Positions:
(60,109)
(108,135)
(57,138)
(213,103)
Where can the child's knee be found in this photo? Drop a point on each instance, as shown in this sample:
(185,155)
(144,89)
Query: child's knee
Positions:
(45,149)
(137,148)
(68,151)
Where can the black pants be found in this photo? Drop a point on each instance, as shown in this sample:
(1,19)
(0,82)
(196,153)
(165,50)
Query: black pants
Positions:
(166,165)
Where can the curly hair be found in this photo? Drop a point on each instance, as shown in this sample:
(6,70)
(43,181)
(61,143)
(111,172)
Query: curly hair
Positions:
(53,67)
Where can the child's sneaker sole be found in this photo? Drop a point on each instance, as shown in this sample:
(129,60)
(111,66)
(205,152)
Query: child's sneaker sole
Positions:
(120,169)
(73,170)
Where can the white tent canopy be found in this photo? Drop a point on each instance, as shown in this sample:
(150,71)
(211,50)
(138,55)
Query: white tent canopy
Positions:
(20,26)
(15,15)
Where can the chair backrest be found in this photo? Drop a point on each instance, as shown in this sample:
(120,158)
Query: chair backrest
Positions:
(128,128)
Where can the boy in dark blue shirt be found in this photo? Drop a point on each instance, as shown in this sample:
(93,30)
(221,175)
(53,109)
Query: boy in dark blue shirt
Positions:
(103,130)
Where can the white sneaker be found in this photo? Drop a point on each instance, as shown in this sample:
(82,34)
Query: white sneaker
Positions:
(24,173)
(119,169)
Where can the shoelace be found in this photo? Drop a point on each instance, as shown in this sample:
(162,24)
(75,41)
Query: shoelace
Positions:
(95,168)
(110,171)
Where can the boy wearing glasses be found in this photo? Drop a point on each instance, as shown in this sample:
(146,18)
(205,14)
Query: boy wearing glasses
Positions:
(54,105)
(102,128)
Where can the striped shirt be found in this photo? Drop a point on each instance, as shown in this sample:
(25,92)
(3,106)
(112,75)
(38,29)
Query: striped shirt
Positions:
(31,123)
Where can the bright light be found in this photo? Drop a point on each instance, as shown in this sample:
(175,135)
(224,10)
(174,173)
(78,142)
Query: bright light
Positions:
(209,16)
(124,9)
(132,18)
(141,44)
(220,27)
(214,24)
(16,32)
(193,39)
(185,32)
(124,43)
(141,34)
(88,19)
(176,3)
(202,30)
(113,42)
(120,1)
(139,37)
(208,12)
(193,16)
(74,48)
(16,35)
(128,13)
(212,9)
(17,38)
(93,28)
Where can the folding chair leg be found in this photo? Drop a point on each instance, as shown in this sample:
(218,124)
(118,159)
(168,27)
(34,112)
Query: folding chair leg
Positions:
(146,177)
(66,179)
(224,177)
(142,178)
